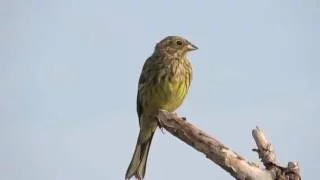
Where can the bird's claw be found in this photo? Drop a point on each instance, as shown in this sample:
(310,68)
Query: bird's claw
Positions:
(159,118)
(162,129)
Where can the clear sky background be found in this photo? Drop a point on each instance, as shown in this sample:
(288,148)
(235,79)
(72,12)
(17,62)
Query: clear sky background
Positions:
(69,71)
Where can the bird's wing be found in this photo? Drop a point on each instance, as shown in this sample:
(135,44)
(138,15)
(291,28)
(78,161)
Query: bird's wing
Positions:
(142,81)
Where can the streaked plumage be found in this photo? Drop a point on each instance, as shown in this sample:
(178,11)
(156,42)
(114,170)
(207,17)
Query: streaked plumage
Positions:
(163,84)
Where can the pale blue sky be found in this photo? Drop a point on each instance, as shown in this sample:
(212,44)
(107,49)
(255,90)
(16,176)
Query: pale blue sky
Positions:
(69,72)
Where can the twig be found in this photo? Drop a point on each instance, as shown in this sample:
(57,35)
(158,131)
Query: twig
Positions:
(268,158)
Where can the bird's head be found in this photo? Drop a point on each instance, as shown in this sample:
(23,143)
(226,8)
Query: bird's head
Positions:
(174,46)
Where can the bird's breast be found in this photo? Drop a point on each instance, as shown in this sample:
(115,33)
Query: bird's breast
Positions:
(170,90)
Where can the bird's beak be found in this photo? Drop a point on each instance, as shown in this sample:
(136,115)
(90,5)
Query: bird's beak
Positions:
(192,47)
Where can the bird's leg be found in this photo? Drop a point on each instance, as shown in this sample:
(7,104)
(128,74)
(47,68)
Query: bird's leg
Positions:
(164,114)
(160,117)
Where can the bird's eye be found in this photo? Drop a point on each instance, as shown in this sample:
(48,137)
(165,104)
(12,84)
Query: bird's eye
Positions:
(178,42)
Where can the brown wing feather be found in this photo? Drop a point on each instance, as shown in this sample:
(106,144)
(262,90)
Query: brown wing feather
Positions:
(142,80)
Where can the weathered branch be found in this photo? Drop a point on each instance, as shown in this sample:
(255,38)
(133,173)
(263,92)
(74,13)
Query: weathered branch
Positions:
(268,158)
(230,161)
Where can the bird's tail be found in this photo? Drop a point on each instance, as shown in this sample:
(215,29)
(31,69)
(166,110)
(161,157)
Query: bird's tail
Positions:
(138,162)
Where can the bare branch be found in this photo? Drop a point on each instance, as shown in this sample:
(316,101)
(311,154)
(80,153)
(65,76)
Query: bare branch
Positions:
(268,158)
(221,155)
(233,163)
(265,150)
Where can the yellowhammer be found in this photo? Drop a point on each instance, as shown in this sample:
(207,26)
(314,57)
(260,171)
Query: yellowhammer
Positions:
(163,84)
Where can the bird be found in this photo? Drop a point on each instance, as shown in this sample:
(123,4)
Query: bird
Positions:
(163,85)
